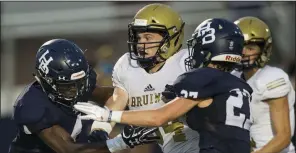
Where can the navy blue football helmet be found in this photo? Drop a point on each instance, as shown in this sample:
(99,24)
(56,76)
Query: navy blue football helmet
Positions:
(214,40)
(62,70)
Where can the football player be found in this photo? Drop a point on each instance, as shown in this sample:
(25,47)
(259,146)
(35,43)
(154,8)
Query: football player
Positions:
(44,114)
(273,97)
(154,60)
(215,101)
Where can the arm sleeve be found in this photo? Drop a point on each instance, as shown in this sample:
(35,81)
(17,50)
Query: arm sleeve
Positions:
(182,57)
(273,84)
(118,72)
(33,119)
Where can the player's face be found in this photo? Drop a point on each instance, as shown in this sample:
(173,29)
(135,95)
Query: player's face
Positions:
(70,90)
(148,49)
(251,53)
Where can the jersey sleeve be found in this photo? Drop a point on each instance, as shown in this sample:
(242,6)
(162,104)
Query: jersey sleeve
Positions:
(194,85)
(183,55)
(32,116)
(273,83)
(118,72)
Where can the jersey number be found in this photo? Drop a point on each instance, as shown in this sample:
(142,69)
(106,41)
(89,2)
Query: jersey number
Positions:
(187,94)
(235,102)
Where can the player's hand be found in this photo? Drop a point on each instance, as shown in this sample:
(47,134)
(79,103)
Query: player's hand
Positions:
(93,112)
(168,94)
(134,135)
(97,136)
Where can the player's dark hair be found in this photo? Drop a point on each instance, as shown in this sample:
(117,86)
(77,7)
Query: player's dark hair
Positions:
(224,66)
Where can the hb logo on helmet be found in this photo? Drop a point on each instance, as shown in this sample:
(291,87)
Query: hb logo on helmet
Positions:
(207,33)
(44,62)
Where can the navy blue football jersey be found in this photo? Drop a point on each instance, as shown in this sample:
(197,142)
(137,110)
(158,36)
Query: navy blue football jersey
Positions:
(223,125)
(34,112)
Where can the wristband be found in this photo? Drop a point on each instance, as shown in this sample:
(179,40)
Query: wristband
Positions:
(116,116)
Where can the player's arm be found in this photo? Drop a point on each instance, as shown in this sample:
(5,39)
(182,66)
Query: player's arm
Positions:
(279,112)
(61,142)
(116,102)
(275,88)
(170,111)
(189,93)
(119,98)
(157,117)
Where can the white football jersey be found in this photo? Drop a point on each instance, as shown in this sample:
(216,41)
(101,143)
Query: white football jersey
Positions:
(144,92)
(269,82)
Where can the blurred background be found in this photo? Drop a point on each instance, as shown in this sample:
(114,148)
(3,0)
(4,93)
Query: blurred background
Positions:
(101,28)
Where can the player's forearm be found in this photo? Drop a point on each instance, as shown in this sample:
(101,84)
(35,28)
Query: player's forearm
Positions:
(160,116)
(100,147)
(69,146)
(117,102)
(144,118)
(277,144)
(111,145)
(279,111)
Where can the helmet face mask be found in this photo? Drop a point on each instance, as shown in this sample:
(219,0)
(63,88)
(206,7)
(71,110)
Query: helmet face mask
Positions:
(198,57)
(160,19)
(251,55)
(138,50)
(70,90)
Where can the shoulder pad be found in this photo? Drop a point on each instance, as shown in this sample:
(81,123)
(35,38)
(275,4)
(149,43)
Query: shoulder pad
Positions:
(271,82)
(32,105)
(119,70)
(28,114)
(195,84)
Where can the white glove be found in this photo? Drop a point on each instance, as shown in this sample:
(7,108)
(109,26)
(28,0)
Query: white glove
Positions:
(94,112)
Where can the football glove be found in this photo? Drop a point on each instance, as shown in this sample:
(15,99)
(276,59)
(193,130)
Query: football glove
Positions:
(97,136)
(168,94)
(134,135)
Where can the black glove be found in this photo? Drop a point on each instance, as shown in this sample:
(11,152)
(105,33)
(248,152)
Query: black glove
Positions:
(134,136)
(168,94)
(97,136)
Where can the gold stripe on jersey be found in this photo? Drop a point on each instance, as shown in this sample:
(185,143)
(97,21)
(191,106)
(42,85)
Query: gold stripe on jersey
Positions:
(277,83)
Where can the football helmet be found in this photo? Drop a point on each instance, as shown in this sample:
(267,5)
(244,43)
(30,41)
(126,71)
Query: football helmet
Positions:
(257,32)
(161,19)
(214,40)
(62,71)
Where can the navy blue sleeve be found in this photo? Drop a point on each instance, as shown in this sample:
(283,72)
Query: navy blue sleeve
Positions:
(196,84)
(34,112)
